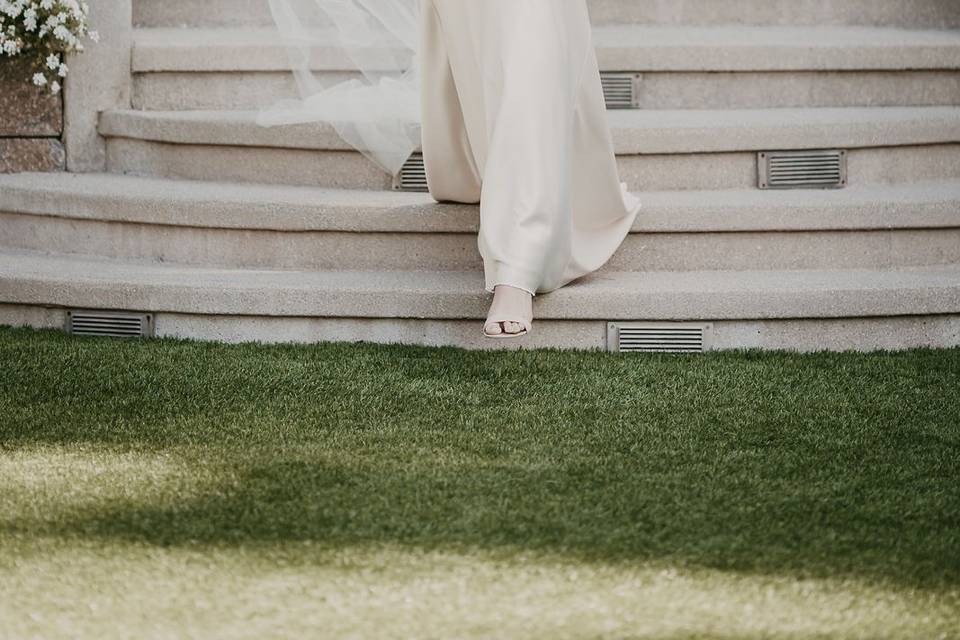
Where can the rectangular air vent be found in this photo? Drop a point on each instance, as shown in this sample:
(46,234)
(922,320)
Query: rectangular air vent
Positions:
(824,169)
(412,176)
(121,324)
(621,90)
(658,337)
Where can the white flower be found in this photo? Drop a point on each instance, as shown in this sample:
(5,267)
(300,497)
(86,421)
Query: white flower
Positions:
(55,27)
(62,33)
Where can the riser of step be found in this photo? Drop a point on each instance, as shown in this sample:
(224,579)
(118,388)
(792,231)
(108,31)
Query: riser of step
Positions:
(909,13)
(349,170)
(330,250)
(905,13)
(844,334)
(619,48)
(660,90)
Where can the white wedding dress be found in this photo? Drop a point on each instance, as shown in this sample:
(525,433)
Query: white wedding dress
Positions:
(512,116)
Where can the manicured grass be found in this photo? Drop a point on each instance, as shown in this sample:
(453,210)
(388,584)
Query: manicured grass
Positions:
(391,491)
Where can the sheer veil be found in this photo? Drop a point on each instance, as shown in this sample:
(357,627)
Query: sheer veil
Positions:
(377,109)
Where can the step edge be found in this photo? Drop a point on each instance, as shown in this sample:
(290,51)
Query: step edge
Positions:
(938,294)
(633,133)
(939,208)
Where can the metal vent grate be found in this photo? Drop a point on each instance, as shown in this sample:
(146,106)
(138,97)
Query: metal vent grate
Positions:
(660,337)
(621,90)
(802,169)
(121,324)
(412,176)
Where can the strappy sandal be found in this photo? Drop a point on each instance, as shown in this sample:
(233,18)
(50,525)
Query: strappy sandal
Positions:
(498,318)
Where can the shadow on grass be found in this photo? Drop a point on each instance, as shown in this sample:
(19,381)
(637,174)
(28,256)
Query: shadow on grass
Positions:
(727,521)
(820,466)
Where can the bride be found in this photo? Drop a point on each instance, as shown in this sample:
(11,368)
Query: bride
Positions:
(504,98)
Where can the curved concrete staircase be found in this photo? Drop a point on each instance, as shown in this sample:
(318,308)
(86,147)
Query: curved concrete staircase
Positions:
(226,230)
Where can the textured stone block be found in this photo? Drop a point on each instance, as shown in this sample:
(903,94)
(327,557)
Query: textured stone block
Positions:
(31,154)
(27,110)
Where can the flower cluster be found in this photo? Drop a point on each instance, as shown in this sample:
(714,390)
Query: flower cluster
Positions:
(45,31)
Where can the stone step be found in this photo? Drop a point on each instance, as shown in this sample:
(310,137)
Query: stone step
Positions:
(823,309)
(657,149)
(680,65)
(270,227)
(904,13)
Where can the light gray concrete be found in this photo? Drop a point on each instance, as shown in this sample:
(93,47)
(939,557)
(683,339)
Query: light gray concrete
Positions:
(99,79)
(222,205)
(846,334)
(660,150)
(774,48)
(237,49)
(635,131)
(843,334)
(351,170)
(903,13)
(212,90)
(32,278)
(289,228)
(709,171)
(215,13)
(721,130)
(900,13)
(35,316)
(242,68)
(334,169)
(688,251)
(619,47)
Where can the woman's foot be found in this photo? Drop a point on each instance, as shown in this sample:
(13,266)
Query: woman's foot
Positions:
(511,312)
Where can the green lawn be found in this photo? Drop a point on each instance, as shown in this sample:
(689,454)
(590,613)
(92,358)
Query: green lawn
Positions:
(169,488)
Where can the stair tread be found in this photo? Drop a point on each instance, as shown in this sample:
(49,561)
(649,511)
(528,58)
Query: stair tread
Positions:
(111,197)
(628,47)
(641,131)
(37,278)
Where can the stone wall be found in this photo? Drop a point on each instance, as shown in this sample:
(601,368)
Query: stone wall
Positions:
(31,122)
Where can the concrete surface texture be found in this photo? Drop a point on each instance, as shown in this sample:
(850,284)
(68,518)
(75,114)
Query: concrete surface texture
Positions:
(233,232)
